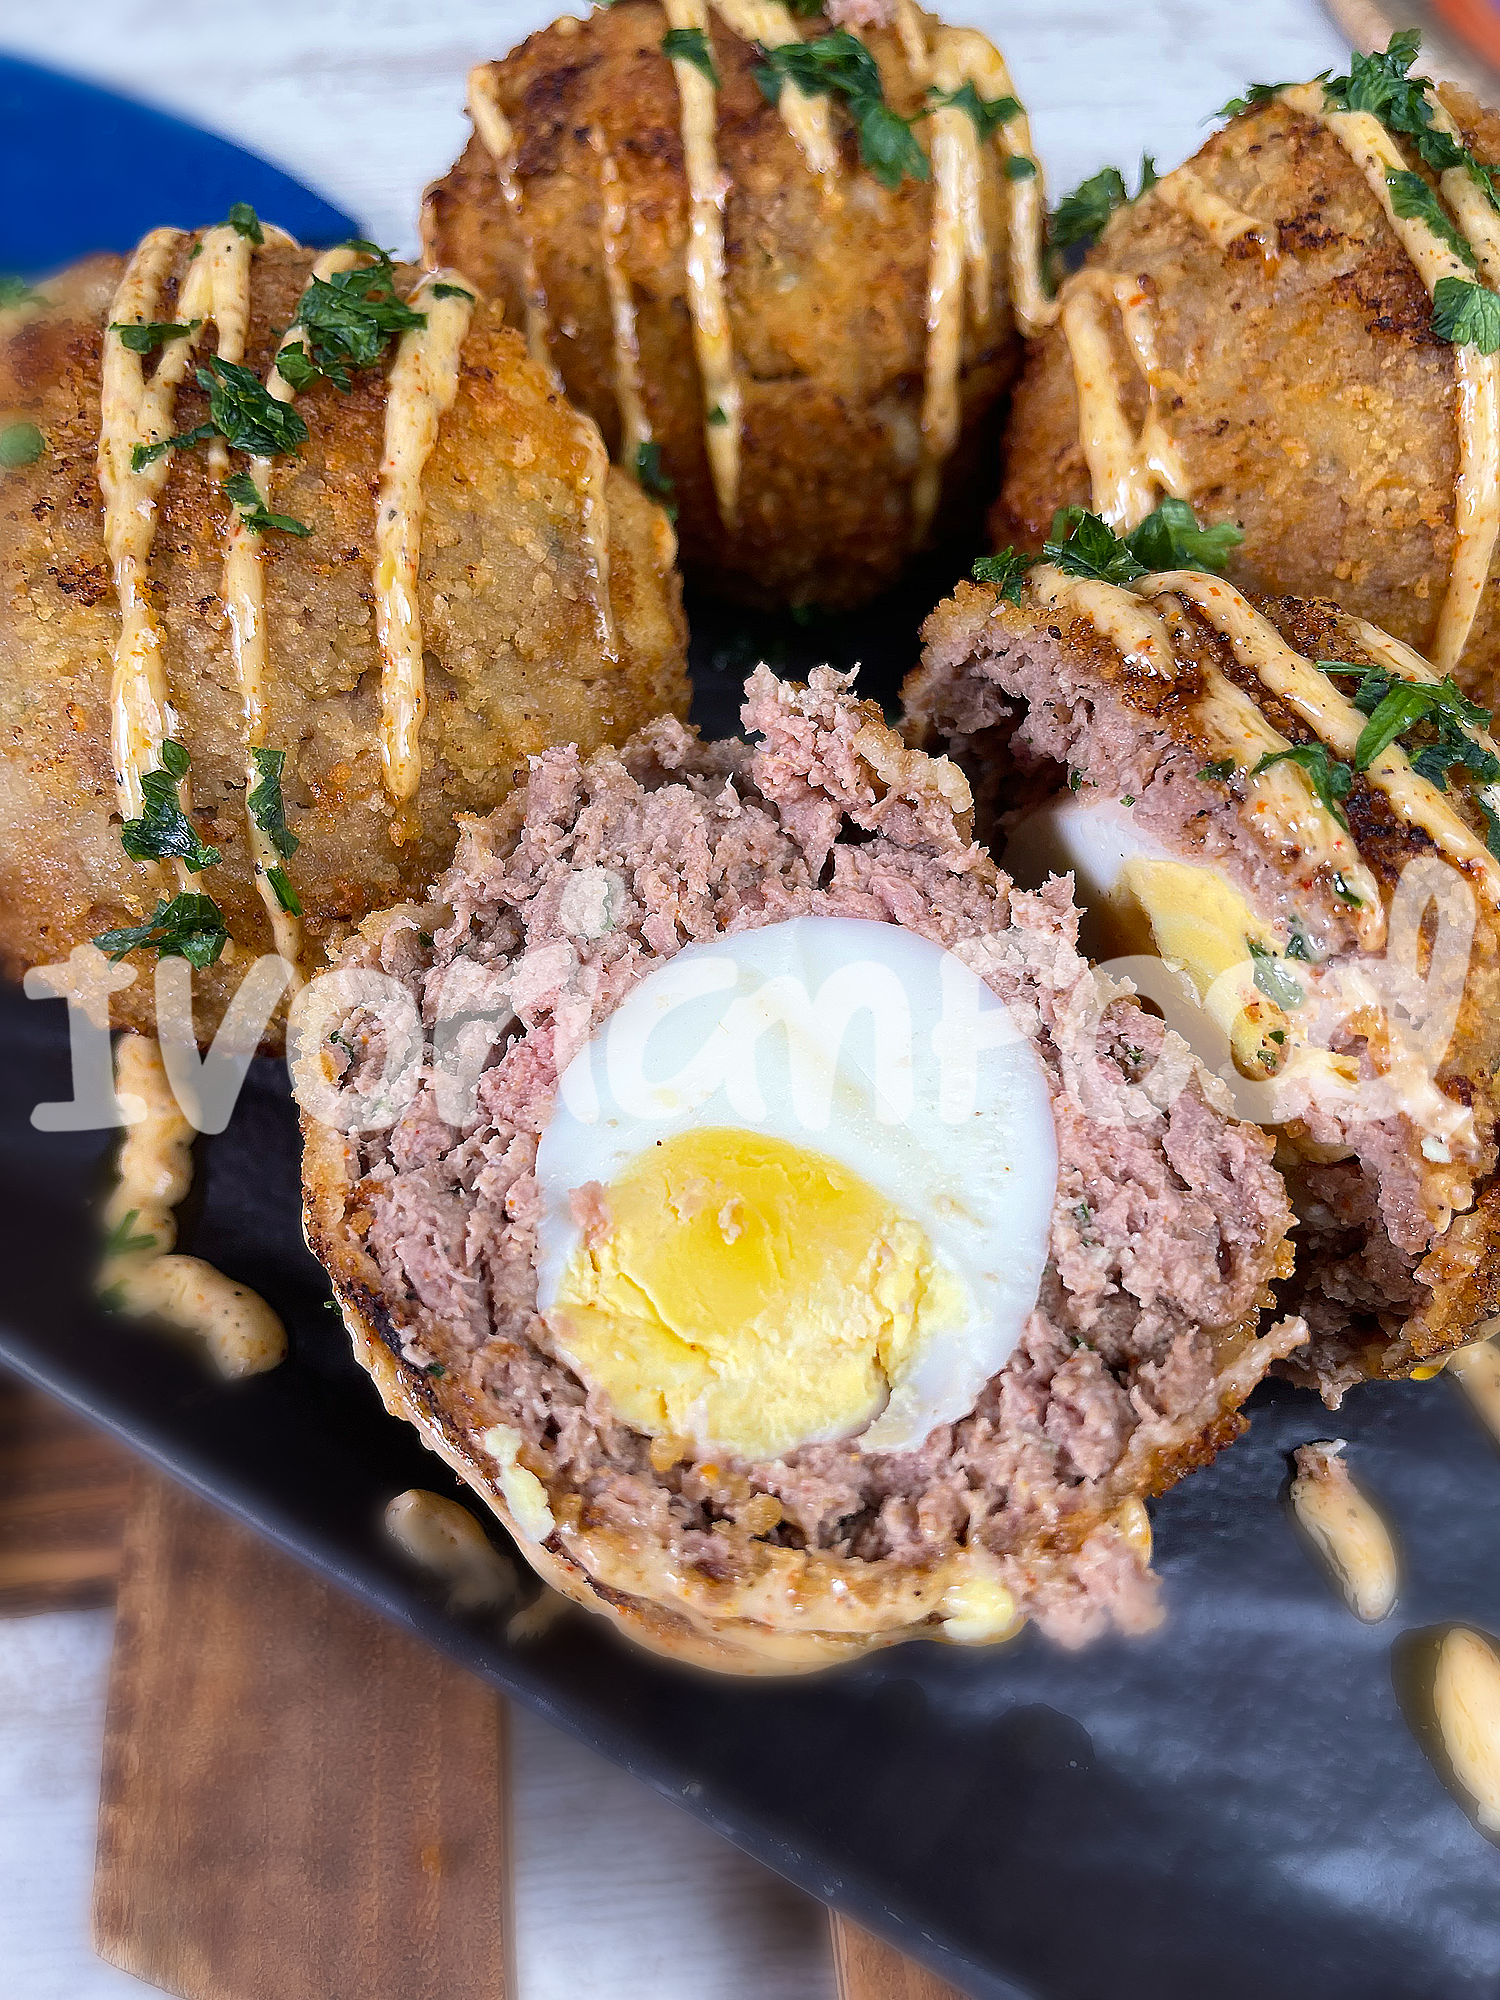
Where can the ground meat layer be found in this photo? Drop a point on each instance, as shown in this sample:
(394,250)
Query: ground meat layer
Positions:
(1168,1225)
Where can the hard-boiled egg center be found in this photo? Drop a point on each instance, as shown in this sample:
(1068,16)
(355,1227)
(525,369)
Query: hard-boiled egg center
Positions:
(739,1288)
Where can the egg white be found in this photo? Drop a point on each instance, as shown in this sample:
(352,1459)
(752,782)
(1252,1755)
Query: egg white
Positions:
(975,1169)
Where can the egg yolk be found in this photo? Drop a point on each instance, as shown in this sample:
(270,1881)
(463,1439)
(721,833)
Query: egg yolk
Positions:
(748,1293)
(1194,916)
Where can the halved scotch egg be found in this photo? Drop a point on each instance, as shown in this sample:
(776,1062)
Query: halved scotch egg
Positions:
(769,1212)
(1294,811)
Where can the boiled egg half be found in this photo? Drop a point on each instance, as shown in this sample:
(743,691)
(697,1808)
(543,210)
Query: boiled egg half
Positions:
(797,1188)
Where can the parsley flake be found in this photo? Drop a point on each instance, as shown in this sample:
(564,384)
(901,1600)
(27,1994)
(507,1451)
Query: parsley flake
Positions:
(452,292)
(1019,167)
(690,45)
(652,479)
(348,319)
(1492,827)
(839,64)
(241,410)
(1380,83)
(1272,979)
(145,336)
(122,1241)
(245,222)
(1414,201)
(164,832)
(1080,216)
(1330,780)
(286,895)
(267,806)
(1255,93)
(988,113)
(21,444)
(185,926)
(1220,771)
(1466,313)
(245,494)
(1171,537)
(1005,572)
(1082,544)
(16,292)
(718,415)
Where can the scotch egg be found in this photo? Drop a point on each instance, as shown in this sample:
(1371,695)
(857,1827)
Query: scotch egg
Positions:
(823,1257)
(1333,907)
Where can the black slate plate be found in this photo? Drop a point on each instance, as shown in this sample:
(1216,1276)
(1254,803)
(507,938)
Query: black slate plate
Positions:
(1229,1807)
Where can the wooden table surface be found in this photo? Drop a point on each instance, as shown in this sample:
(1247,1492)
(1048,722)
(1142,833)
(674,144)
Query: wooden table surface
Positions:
(363,99)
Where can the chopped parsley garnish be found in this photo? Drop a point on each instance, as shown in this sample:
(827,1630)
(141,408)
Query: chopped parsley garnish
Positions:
(651,479)
(1492,828)
(286,895)
(184,926)
(241,410)
(1344,893)
(1466,313)
(1219,771)
(690,45)
(988,113)
(20,444)
(452,292)
(1414,201)
(1171,537)
(164,832)
(245,494)
(838,64)
(1075,780)
(1395,707)
(267,807)
(1329,778)
(1006,572)
(1272,979)
(436,1370)
(1019,167)
(145,336)
(1080,216)
(1081,544)
(245,222)
(718,415)
(1380,83)
(348,318)
(16,292)
(1255,93)
(122,1240)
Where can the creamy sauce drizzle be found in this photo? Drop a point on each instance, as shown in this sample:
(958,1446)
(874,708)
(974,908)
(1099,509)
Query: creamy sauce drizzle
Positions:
(1477,376)
(499,141)
(240,1330)
(707,274)
(134,411)
(1336,721)
(1126,467)
(1221,222)
(1135,631)
(245,605)
(635,427)
(806,118)
(423,384)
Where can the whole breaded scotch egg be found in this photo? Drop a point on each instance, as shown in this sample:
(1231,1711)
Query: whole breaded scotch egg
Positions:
(1296,812)
(301,553)
(779,254)
(770,1213)
(1299,331)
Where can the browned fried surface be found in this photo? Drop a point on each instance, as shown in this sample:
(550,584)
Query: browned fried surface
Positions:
(827,297)
(508,608)
(1309,397)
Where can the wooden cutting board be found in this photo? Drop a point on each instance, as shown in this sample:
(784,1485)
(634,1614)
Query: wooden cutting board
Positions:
(298,1798)
(866,1969)
(63,1488)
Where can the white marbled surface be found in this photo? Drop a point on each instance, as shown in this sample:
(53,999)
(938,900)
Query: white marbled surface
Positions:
(363,99)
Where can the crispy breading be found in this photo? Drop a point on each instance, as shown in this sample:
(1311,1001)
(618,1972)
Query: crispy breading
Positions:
(508,605)
(1308,396)
(827,299)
